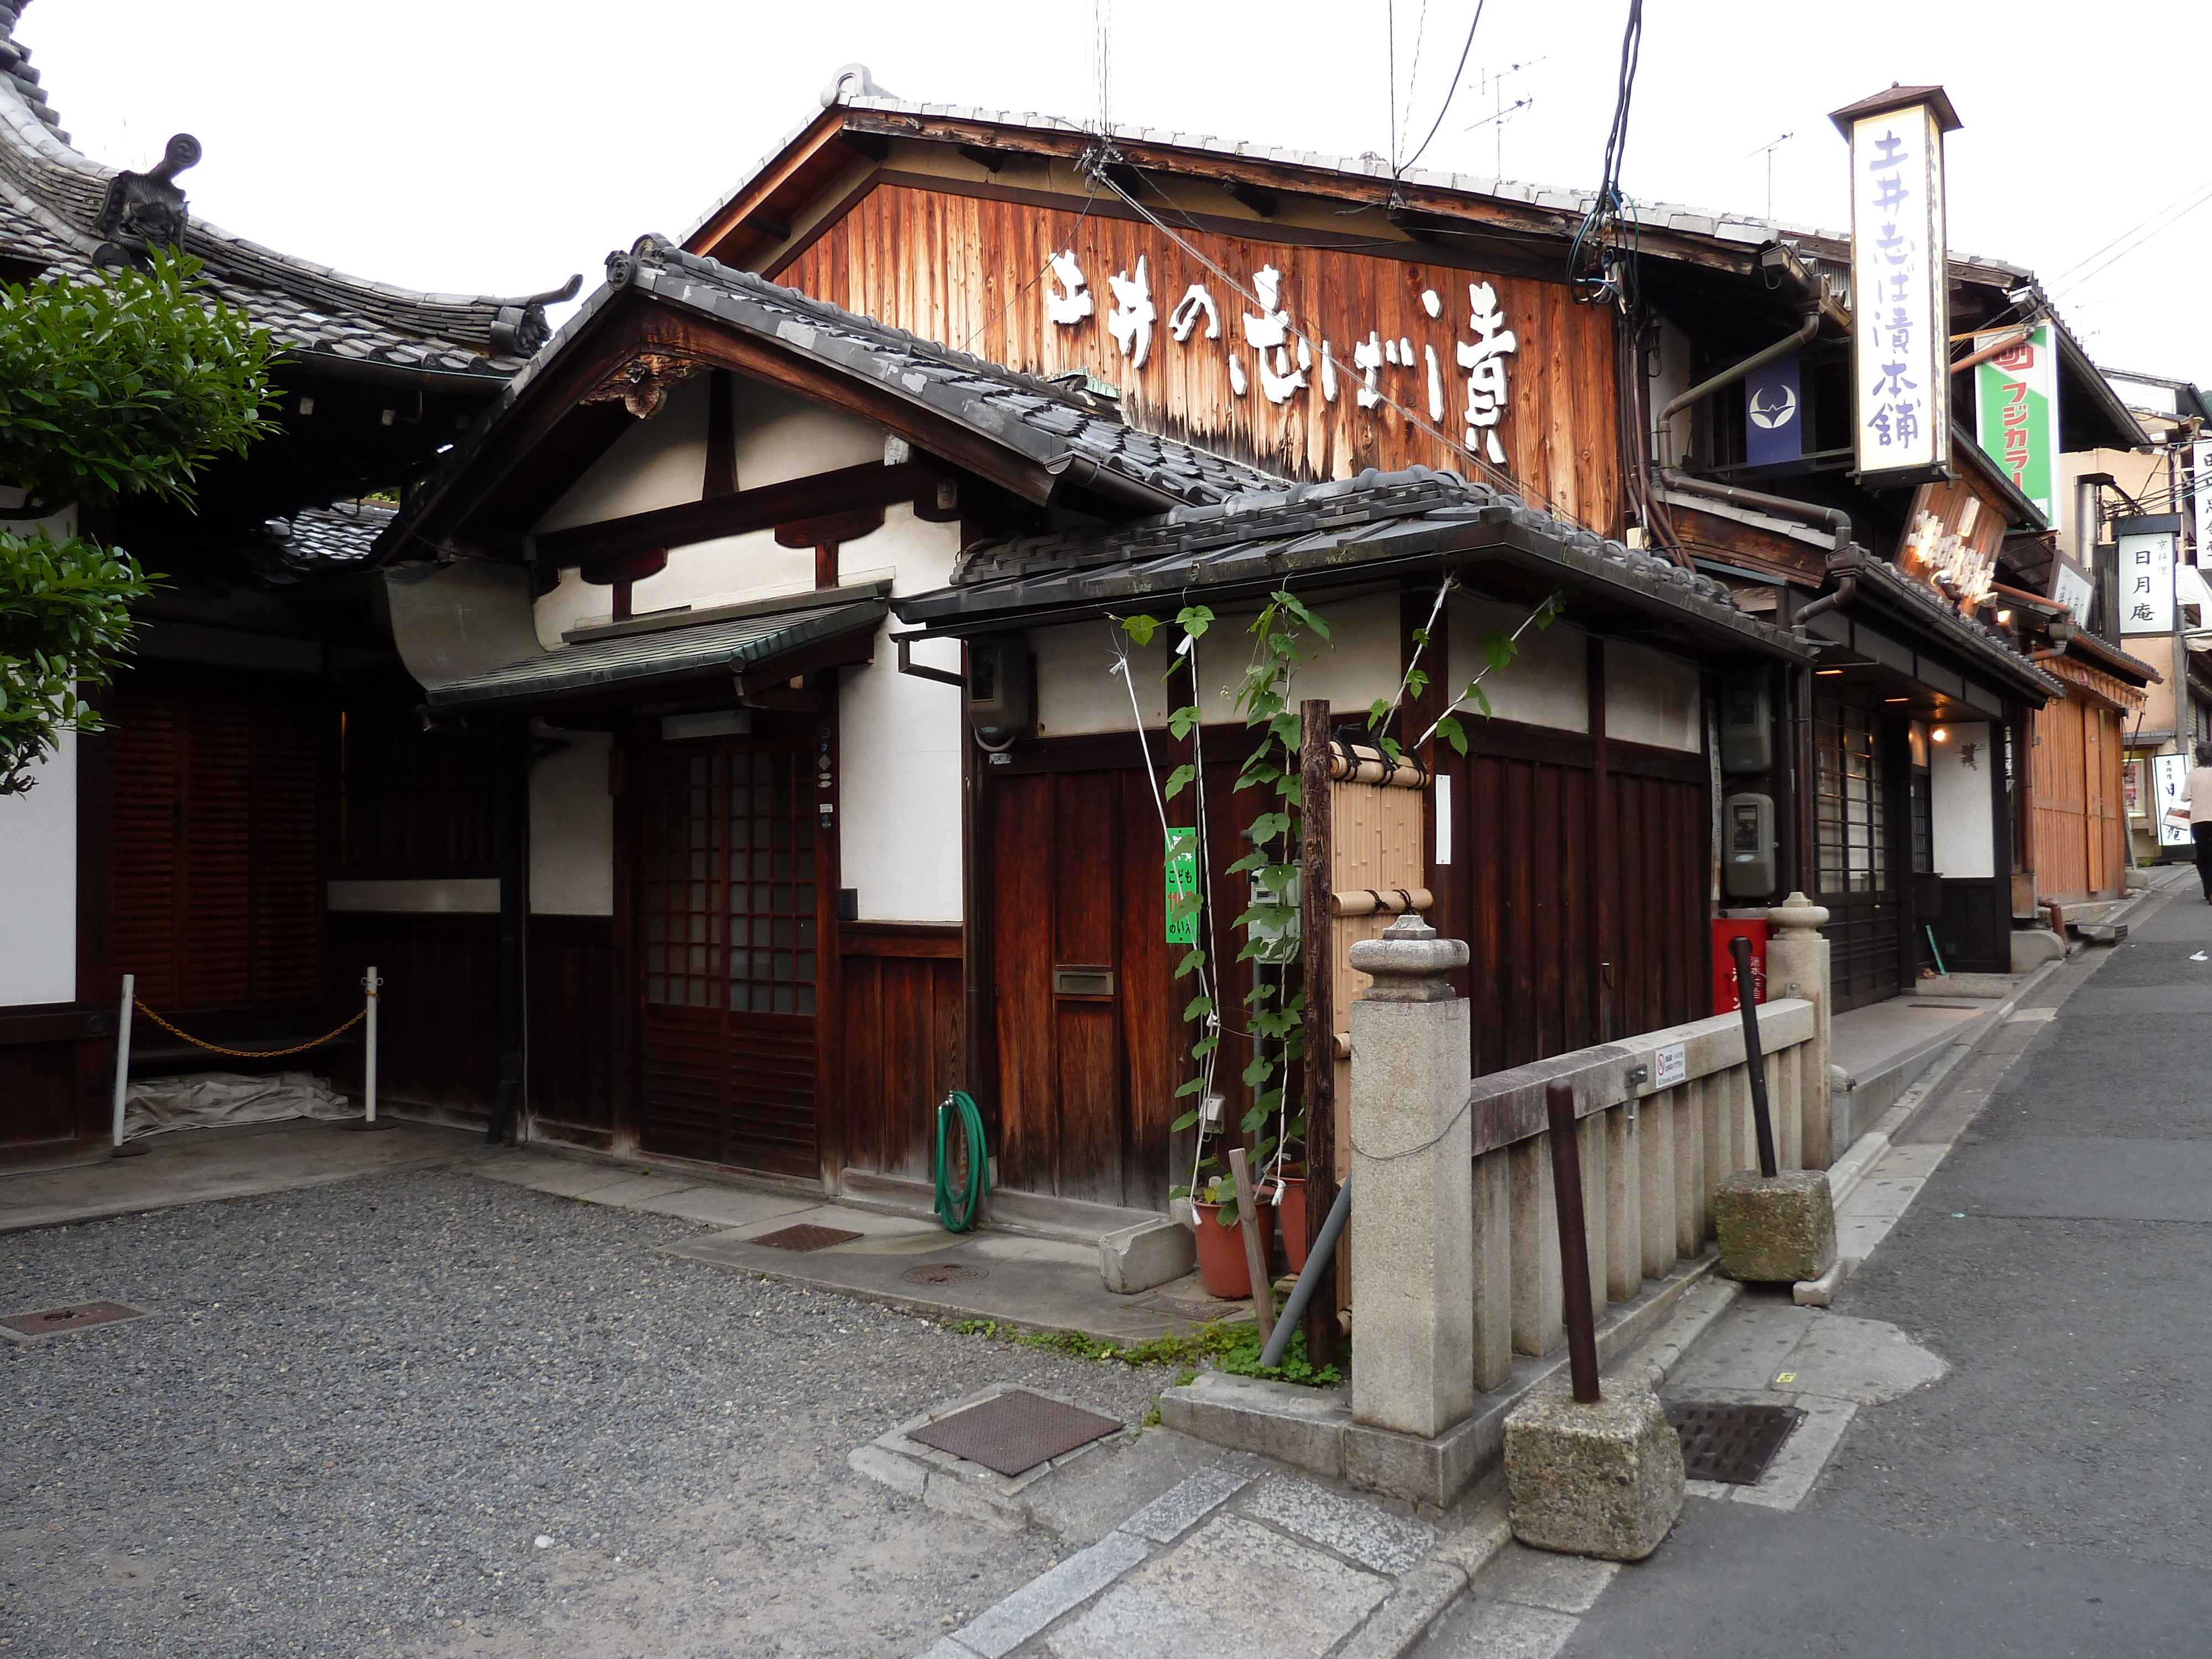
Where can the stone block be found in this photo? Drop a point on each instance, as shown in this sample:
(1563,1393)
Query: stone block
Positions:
(1302,1427)
(1602,1479)
(1777,1230)
(1151,1254)
(2033,947)
(1432,1471)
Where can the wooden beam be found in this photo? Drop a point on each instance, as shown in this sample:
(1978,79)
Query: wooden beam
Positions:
(841,490)
(1261,200)
(1324,1336)
(849,524)
(802,149)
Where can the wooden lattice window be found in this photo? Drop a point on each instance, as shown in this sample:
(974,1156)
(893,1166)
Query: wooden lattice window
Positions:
(729,905)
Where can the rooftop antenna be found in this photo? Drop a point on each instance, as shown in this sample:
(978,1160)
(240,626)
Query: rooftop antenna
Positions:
(1768,150)
(1501,111)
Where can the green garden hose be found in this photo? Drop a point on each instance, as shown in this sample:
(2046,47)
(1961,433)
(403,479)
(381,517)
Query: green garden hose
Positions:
(959,1215)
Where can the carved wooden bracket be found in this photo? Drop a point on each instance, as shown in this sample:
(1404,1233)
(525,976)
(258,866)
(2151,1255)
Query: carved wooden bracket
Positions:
(640,384)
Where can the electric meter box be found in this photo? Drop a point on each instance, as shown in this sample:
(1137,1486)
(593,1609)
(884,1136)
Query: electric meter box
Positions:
(1747,723)
(1747,846)
(1000,703)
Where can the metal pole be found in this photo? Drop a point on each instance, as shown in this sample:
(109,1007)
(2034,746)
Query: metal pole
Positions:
(1318,1260)
(372,985)
(1255,1251)
(1574,1239)
(1746,991)
(123,1051)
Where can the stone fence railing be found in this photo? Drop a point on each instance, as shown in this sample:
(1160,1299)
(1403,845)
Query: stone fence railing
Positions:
(1652,1151)
(1452,1276)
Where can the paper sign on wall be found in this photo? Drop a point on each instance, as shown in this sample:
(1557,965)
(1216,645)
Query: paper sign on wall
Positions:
(1670,1065)
(1183,905)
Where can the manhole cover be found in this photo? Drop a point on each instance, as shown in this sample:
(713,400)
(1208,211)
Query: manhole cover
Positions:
(805,1236)
(1015,1430)
(1730,1443)
(945,1273)
(75,1317)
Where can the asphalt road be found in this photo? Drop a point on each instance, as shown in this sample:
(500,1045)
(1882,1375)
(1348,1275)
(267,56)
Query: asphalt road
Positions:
(2048,1497)
(357,1409)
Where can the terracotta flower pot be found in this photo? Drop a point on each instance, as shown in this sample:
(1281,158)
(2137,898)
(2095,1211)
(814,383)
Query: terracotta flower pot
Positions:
(1291,1215)
(1221,1255)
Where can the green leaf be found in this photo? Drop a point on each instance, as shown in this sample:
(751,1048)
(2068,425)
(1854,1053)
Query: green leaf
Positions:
(1500,649)
(1198,1008)
(1449,729)
(1140,628)
(1178,781)
(1194,620)
(1188,1118)
(1190,963)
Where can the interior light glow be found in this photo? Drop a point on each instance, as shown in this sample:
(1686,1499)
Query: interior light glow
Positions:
(1827,671)
(1941,735)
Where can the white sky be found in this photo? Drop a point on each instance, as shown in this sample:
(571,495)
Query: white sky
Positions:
(461,146)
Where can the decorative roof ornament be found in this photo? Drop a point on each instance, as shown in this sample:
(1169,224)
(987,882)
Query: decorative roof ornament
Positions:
(852,81)
(143,211)
(520,329)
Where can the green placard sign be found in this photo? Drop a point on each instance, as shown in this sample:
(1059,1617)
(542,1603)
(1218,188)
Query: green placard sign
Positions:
(1182,902)
(2016,407)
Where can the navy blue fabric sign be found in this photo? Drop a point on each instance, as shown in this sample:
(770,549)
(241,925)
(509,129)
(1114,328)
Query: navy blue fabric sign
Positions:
(1774,413)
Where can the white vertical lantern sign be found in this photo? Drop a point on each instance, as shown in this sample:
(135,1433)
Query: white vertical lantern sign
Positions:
(2146,559)
(1900,316)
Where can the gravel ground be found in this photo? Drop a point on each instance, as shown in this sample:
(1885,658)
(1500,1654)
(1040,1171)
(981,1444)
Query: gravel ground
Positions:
(357,1409)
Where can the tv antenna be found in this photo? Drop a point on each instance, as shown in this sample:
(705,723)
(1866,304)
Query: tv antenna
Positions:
(1768,150)
(1501,111)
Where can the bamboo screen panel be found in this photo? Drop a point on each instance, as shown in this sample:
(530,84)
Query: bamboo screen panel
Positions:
(1375,840)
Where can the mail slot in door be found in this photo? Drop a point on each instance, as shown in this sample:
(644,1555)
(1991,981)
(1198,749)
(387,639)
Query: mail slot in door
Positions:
(1083,982)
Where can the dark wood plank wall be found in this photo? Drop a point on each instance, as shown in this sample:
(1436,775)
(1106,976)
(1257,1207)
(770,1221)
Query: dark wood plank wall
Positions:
(437,1030)
(963,269)
(573,992)
(1542,909)
(900,1044)
(218,856)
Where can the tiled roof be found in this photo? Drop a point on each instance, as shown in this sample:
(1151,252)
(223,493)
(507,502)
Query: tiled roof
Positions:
(1313,531)
(1749,230)
(340,534)
(1048,423)
(643,656)
(49,196)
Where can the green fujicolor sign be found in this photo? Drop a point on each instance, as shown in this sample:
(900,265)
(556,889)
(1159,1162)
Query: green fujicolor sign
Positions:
(2016,412)
(1182,886)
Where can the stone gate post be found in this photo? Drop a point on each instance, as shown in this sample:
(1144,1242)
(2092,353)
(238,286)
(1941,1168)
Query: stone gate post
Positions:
(1797,966)
(1413,1274)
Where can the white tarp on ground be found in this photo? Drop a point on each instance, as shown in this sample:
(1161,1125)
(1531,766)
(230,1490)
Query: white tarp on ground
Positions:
(204,1100)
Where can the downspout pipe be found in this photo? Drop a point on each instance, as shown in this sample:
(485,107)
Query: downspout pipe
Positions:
(1846,590)
(1758,360)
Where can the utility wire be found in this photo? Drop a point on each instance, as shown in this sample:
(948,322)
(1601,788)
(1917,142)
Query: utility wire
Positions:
(1413,159)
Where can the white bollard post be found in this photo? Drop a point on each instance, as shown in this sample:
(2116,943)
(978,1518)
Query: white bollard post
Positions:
(122,1052)
(371,984)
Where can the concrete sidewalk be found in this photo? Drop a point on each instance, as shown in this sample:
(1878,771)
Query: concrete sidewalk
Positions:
(196,1166)
(1013,1280)
(2043,1495)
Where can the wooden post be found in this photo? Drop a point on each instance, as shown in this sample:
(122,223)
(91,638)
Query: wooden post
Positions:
(1255,1251)
(123,1052)
(1324,1336)
(1574,1243)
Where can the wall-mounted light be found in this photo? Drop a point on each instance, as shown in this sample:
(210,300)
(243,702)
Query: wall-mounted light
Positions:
(2004,619)
(1824,672)
(1896,700)
(1941,735)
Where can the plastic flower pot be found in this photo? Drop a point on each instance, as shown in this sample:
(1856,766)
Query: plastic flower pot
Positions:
(1221,1255)
(1291,1216)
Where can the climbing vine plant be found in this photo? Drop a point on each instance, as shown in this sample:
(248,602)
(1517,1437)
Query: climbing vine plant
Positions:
(1274,1022)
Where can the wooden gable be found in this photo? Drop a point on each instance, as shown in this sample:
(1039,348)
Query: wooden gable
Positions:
(970,264)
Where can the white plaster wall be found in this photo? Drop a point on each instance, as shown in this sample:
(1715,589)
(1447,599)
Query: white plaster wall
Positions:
(1548,685)
(572,829)
(38,883)
(1077,691)
(780,436)
(725,571)
(1357,663)
(899,740)
(1651,698)
(656,463)
(1960,809)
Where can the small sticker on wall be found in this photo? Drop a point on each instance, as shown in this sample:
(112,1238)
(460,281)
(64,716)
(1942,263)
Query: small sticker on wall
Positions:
(1670,1065)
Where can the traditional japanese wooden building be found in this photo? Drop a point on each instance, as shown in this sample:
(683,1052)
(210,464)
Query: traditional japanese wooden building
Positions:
(257,742)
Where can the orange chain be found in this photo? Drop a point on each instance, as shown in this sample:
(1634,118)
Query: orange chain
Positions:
(246,1053)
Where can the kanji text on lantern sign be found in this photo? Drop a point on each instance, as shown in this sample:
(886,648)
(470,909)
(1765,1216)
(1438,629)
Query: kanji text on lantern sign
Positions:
(1895,408)
(1899,324)
(1283,360)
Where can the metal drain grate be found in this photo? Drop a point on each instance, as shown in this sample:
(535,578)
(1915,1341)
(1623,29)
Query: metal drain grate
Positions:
(75,1317)
(945,1273)
(1730,1443)
(1015,1430)
(805,1236)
